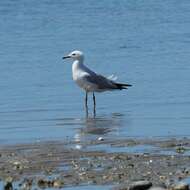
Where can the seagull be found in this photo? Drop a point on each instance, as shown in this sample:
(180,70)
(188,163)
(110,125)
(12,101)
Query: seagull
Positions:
(89,80)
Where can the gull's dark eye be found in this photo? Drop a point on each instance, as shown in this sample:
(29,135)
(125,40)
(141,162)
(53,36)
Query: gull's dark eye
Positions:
(74,54)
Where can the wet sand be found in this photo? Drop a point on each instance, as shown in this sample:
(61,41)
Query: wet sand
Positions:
(63,164)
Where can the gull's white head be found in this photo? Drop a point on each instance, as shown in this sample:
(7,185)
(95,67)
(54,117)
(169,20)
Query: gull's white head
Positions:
(75,55)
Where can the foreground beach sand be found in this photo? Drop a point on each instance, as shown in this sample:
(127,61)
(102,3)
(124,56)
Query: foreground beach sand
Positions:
(62,164)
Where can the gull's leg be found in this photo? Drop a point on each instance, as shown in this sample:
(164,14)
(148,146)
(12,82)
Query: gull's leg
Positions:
(86,103)
(86,100)
(94,100)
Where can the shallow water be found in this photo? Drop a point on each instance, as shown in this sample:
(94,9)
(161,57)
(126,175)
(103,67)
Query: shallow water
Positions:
(145,43)
(83,187)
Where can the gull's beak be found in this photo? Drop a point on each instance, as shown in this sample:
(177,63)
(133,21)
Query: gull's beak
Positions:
(67,56)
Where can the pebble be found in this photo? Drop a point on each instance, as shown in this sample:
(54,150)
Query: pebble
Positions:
(187,171)
(78,146)
(17,165)
(100,138)
(162,177)
(181,186)
(180,150)
(9,179)
(157,188)
(140,185)
(8,186)
(26,184)
(58,183)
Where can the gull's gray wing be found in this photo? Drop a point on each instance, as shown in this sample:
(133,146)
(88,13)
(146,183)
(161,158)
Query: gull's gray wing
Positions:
(100,81)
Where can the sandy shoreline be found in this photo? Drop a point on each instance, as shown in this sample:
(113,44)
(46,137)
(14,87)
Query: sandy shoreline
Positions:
(61,164)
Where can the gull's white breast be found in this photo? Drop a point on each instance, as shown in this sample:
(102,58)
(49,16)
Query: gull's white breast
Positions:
(80,79)
(79,76)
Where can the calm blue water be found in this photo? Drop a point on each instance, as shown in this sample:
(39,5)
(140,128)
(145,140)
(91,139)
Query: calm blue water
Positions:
(145,43)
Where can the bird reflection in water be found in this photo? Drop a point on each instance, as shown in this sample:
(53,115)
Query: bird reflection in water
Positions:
(97,128)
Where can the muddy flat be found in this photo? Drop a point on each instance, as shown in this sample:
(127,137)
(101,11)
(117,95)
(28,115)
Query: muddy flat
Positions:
(60,164)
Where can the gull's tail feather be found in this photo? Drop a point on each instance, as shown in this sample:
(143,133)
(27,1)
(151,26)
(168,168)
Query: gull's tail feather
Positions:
(121,86)
(112,77)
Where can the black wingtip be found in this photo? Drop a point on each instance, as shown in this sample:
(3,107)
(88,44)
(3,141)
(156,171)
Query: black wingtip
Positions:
(122,86)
